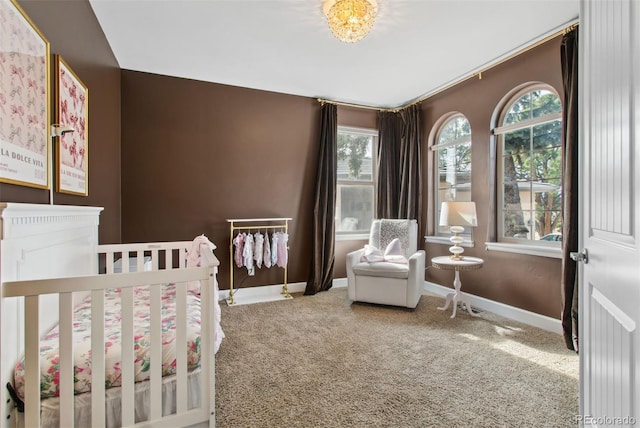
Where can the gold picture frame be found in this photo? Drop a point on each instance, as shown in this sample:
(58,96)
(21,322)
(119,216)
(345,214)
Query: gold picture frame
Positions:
(25,120)
(72,148)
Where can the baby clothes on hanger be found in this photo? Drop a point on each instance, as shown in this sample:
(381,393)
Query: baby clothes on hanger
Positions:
(238,243)
(247,254)
(274,248)
(258,241)
(283,251)
(266,255)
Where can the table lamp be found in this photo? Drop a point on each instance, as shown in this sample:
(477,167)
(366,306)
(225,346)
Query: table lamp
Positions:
(457,215)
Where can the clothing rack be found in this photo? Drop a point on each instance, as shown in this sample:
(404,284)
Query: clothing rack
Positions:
(271,223)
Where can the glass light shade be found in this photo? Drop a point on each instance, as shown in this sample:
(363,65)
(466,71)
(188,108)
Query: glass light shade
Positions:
(350,20)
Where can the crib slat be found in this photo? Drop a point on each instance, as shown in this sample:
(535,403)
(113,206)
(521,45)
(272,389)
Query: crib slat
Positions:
(155,262)
(97,359)
(168,259)
(110,262)
(32,361)
(125,262)
(181,348)
(207,314)
(127,359)
(66,360)
(155,371)
(139,261)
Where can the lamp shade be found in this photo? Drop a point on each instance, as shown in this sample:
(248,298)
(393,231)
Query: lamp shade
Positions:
(458,214)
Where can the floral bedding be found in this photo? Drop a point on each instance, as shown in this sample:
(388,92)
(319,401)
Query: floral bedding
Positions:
(49,354)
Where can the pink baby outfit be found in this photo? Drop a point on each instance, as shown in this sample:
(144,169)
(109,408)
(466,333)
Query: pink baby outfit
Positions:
(238,242)
(283,256)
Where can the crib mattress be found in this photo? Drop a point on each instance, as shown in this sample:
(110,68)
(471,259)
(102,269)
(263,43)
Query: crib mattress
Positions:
(49,351)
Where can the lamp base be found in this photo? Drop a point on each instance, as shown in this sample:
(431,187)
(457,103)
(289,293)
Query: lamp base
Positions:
(456,250)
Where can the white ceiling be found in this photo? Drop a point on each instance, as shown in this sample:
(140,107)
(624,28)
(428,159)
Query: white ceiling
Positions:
(415,47)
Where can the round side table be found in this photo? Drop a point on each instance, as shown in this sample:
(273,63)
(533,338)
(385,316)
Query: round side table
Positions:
(467,263)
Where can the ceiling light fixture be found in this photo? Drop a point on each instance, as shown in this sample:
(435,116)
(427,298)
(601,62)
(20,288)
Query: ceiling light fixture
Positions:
(350,20)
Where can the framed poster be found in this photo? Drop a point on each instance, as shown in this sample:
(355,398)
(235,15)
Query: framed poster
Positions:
(72,109)
(25,121)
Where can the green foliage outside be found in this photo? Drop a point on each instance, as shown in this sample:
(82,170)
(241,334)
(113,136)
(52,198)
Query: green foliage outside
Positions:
(353,147)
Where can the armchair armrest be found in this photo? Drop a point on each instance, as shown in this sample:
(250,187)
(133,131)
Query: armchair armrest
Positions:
(416,278)
(353,258)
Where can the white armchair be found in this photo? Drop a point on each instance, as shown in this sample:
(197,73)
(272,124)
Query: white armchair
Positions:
(385,282)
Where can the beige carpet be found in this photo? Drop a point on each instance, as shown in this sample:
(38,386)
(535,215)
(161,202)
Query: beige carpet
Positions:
(320,361)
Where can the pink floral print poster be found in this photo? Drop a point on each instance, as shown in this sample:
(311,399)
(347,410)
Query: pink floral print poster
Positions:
(72,110)
(24,100)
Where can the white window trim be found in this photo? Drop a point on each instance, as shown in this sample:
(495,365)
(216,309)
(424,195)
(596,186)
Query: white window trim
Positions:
(527,123)
(345,236)
(463,140)
(529,249)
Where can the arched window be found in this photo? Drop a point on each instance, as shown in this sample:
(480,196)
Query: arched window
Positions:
(452,147)
(530,167)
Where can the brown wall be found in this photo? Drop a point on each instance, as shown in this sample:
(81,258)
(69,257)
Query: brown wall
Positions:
(195,154)
(528,282)
(73,32)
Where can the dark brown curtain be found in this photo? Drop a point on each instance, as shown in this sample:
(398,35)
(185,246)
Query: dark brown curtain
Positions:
(323,257)
(410,165)
(389,134)
(570,227)
(399,164)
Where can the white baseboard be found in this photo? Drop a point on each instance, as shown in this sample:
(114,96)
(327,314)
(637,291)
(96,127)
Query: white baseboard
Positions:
(526,317)
(264,293)
(268,293)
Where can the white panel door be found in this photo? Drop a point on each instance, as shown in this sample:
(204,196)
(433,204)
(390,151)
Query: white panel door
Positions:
(610,212)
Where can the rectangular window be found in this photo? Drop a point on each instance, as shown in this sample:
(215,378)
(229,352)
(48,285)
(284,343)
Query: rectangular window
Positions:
(356,180)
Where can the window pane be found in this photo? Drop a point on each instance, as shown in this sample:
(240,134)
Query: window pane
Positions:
(354,208)
(548,226)
(517,141)
(456,129)
(547,164)
(545,102)
(517,167)
(355,161)
(517,223)
(519,111)
(547,135)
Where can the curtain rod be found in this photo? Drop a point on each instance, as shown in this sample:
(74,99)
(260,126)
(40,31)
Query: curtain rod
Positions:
(563,29)
(362,106)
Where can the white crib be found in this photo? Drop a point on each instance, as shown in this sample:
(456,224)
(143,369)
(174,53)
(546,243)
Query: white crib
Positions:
(50,261)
